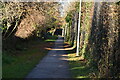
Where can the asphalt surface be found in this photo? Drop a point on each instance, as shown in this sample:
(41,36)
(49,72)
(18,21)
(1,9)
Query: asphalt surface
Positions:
(54,64)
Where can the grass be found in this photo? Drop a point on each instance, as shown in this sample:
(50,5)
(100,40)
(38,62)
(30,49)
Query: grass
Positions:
(51,39)
(78,68)
(19,65)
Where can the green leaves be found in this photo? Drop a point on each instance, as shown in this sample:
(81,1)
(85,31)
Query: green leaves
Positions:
(68,17)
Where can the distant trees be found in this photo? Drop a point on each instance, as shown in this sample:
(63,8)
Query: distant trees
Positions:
(70,28)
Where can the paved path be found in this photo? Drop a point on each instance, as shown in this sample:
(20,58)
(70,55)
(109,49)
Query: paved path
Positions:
(54,65)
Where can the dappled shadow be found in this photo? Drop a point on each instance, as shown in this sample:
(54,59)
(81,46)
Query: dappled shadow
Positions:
(61,45)
(71,48)
(54,63)
(62,49)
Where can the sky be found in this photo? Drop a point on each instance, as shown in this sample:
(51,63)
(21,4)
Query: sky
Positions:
(64,6)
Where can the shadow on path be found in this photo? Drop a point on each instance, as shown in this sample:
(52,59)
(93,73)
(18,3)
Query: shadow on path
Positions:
(54,64)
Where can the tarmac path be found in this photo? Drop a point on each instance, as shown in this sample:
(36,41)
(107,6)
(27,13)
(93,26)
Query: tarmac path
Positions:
(54,64)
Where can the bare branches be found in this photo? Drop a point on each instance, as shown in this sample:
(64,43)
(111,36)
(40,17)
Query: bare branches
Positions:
(14,12)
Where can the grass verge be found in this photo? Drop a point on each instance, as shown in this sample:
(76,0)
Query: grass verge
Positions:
(18,65)
(80,69)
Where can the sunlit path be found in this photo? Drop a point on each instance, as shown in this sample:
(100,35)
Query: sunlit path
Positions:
(54,65)
(60,39)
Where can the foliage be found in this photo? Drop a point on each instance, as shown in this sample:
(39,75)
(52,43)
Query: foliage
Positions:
(68,17)
(23,21)
(99,38)
(15,13)
(71,24)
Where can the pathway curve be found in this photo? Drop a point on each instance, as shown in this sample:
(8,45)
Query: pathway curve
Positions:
(54,64)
